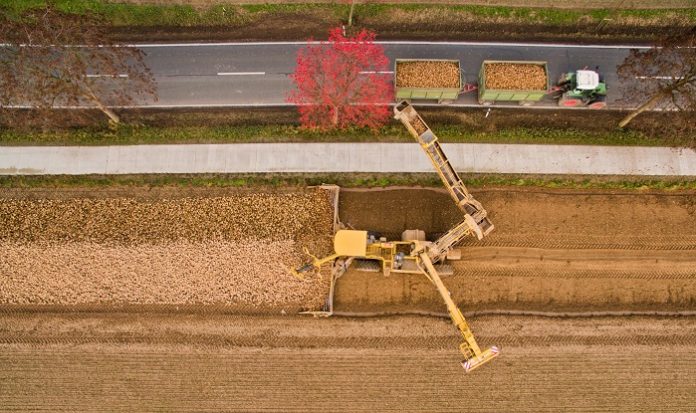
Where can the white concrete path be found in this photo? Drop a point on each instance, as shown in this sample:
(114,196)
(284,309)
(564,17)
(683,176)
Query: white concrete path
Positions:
(344,157)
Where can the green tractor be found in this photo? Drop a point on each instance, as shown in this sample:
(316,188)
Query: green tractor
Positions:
(581,88)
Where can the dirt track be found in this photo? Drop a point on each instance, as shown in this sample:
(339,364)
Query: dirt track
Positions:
(121,362)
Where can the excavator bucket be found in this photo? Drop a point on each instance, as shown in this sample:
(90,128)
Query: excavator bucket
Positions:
(481,359)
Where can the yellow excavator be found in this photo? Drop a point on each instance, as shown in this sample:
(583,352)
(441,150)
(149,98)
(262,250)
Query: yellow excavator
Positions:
(413,254)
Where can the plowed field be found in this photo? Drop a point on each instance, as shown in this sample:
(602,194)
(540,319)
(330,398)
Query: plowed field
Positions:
(129,299)
(121,362)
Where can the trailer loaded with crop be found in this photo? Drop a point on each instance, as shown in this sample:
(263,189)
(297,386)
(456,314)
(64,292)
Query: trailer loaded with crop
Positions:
(512,81)
(427,79)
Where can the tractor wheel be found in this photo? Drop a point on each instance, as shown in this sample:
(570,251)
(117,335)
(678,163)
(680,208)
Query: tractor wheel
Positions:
(597,105)
(569,102)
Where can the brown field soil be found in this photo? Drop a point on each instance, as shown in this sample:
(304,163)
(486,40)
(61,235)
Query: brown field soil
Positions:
(165,362)
(551,250)
(139,292)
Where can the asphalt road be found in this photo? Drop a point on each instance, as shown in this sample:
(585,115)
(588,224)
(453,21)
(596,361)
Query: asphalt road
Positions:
(248,74)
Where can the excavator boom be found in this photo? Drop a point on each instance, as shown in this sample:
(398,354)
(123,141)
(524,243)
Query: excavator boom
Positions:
(473,356)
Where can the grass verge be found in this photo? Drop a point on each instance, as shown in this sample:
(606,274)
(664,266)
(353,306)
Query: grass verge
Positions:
(453,133)
(298,21)
(130,14)
(350,180)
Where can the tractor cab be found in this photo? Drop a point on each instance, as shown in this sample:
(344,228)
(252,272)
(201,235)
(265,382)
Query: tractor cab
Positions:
(581,88)
(586,80)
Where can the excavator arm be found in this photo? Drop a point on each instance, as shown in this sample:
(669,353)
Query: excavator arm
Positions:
(473,356)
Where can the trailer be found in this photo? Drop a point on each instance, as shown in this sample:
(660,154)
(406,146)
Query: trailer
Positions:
(430,79)
(525,82)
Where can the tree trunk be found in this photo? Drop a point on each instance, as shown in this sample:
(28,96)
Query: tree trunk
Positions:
(113,117)
(640,109)
(334,117)
(350,14)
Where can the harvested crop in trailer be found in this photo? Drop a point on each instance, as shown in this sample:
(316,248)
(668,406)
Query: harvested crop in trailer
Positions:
(427,74)
(515,76)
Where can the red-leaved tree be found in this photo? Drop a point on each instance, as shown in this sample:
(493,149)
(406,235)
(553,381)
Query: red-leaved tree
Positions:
(338,84)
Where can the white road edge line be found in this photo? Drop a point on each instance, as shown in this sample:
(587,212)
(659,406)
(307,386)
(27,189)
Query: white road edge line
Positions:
(405,42)
(379,72)
(659,77)
(97,75)
(283,104)
(241,73)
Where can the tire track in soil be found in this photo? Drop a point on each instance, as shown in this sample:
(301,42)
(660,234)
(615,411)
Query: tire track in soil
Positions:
(384,332)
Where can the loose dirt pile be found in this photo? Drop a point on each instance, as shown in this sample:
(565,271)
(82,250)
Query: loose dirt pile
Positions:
(226,250)
(435,74)
(515,76)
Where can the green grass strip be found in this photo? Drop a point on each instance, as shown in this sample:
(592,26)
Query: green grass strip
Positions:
(349,180)
(130,135)
(129,14)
